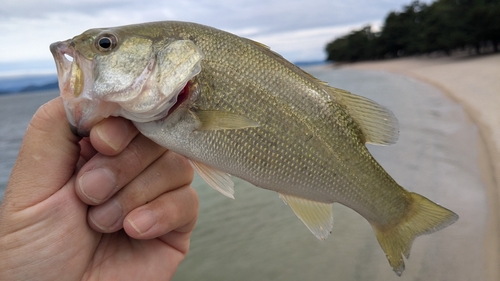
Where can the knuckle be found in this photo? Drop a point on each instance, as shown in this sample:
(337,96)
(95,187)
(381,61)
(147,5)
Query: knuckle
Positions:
(46,115)
(181,164)
(191,192)
(146,194)
(133,157)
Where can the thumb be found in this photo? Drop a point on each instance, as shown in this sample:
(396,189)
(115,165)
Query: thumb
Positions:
(46,160)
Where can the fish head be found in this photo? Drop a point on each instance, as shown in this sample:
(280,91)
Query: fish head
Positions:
(131,71)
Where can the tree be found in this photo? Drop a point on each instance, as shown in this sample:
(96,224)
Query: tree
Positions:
(354,47)
(443,26)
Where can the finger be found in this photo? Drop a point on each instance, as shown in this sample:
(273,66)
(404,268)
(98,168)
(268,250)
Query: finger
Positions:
(169,172)
(87,151)
(173,212)
(102,176)
(47,158)
(112,135)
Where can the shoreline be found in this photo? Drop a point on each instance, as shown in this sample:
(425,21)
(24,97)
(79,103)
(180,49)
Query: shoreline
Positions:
(473,83)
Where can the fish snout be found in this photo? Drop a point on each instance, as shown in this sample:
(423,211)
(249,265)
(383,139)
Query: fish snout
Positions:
(80,108)
(63,55)
(69,74)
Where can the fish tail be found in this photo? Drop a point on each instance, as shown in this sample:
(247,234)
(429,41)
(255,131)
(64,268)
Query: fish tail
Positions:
(423,217)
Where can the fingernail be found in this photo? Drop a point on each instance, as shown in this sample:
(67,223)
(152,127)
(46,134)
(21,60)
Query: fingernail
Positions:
(113,133)
(97,184)
(142,221)
(106,215)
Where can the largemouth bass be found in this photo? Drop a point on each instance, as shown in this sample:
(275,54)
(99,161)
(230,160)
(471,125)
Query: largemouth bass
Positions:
(233,106)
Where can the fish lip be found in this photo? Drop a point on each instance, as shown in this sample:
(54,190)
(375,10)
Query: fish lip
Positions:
(65,57)
(59,51)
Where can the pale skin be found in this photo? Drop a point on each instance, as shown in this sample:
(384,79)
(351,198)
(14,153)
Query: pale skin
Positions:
(131,219)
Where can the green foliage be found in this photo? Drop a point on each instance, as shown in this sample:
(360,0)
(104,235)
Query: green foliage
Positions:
(359,43)
(443,26)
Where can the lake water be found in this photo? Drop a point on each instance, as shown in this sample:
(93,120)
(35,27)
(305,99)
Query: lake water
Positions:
(257,237)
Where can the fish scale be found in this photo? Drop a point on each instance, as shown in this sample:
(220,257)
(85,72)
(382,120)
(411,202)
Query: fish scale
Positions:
(232,106)
(239,104)
(323,162)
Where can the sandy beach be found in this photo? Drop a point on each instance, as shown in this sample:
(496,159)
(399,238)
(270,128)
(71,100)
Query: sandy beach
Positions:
(474,83)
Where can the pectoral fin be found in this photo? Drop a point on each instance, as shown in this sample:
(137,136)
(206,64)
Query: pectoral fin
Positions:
(218,180)
(220,120)
(317,216)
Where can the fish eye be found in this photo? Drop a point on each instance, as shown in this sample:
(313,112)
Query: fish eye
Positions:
(106,42)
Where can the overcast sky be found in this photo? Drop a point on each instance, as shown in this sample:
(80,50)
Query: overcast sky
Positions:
(299,30)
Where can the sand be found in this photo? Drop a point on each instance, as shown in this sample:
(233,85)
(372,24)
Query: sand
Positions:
(473,82)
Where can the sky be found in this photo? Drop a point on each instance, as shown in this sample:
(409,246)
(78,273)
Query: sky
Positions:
(298,30)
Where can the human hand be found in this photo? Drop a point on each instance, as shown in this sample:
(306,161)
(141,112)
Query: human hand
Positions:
(114,206)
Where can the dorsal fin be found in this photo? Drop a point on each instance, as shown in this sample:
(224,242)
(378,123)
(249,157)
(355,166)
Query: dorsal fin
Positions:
(257,43)
(378,124)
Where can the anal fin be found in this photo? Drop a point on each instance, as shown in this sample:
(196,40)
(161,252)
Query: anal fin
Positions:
(218,180)
(317,216)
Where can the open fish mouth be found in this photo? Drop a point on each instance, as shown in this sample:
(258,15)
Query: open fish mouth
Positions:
(63,56)
(142,101)
(75,82)
(147,97)
(69,72)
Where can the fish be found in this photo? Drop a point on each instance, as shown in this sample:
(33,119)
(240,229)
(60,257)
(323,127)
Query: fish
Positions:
(234,107)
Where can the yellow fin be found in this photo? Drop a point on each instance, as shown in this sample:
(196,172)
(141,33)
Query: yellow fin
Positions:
(378,124)
(218,180)
(423,217)
(317,216)
(221,120)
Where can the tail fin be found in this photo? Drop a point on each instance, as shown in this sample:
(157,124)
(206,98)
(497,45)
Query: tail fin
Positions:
(423,217)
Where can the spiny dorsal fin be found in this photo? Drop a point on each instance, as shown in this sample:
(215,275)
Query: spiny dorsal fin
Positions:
(221,120)
(220,181)
(378,124)
(257,43)
(317,216)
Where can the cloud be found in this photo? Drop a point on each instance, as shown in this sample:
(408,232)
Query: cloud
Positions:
(297,29)
(306,44)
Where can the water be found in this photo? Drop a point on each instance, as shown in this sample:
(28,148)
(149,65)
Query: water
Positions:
(257,237)
(11,84)
(15,113)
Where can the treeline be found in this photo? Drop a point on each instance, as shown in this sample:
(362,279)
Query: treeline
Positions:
(443,26)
